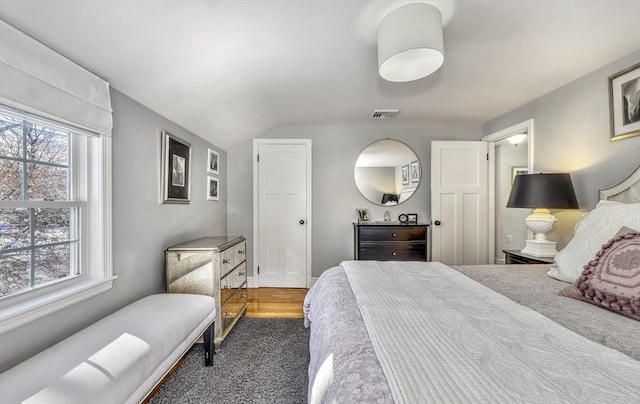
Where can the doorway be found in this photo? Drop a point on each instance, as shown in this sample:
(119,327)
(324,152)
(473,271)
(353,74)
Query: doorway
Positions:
(506,225)
(282,213)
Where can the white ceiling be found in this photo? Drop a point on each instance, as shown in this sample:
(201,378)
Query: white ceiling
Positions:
(230,70)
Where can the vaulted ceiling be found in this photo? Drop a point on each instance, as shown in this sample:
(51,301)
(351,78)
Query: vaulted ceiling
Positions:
(229,70)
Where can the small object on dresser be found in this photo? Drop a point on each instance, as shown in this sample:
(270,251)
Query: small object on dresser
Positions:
(387,216)
(412,218)
(402,218)
(363,216)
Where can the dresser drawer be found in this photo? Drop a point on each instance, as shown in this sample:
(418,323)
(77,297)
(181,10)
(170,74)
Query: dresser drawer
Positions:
(226,261)
(239,253)
(388,251)
(395,233)
(232,309)
(235,278)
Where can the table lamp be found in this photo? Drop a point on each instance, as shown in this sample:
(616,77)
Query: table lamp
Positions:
(542,192)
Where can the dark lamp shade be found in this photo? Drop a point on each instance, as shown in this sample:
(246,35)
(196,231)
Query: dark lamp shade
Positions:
(386,198)
(549,191)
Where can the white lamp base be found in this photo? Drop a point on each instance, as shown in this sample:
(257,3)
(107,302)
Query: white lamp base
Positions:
(540,248)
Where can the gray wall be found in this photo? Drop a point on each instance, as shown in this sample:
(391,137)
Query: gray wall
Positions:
(571,134)
(335,149)
(142,227)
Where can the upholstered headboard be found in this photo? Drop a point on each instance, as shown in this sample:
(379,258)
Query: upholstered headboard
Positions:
(626,191)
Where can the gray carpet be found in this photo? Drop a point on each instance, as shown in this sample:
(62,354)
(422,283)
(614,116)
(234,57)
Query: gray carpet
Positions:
(261,361)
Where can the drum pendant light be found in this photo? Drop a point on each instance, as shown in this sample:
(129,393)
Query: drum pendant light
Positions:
(410,44)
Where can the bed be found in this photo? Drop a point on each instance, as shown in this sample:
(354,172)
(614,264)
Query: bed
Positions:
(484,333)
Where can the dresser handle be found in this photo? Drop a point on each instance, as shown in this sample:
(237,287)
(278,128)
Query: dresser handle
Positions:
(393,234)
(225,261)
(240,273)
(240,251)
(394,254)
(243,296)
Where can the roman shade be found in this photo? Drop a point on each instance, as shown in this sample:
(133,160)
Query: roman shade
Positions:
(40,80)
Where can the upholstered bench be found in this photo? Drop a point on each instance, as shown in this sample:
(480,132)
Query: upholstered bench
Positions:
(119,359)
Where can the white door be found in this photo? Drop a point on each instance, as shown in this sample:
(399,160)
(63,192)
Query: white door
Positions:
(459,202)
(283,228)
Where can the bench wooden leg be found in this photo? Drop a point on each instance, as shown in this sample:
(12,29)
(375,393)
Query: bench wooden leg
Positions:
(208,345)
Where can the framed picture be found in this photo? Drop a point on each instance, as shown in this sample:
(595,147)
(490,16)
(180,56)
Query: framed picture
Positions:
(213,188)
(363,215)
(405,175)
(176,169)
(415,171)
(412,218)
(624,103)
(518,171)
(213,161)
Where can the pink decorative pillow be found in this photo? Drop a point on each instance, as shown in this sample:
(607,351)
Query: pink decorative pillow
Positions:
(612,279)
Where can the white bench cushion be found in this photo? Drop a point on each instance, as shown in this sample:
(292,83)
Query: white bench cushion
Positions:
(118,359)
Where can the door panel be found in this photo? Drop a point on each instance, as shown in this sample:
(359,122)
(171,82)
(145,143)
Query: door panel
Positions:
(283,232)
(459,202)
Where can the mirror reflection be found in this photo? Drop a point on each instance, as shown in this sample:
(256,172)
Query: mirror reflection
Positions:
(387,172)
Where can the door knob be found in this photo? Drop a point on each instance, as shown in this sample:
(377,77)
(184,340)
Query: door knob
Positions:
(437,223)
(301,221)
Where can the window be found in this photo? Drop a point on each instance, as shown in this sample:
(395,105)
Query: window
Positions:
(39,239)
(54,216)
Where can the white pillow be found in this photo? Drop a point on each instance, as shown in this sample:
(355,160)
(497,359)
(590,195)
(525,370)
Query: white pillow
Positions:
(600,225)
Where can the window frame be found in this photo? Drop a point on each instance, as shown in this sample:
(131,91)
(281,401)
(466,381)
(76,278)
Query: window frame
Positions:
(91,177)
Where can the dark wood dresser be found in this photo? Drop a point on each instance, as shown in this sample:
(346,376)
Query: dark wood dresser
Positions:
(382,241)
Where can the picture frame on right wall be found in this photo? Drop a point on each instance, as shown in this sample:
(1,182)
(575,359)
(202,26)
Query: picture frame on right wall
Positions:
(624,103)
(213,162)
(213,188)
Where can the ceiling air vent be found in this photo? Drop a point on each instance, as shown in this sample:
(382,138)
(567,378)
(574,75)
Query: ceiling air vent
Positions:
(384,113)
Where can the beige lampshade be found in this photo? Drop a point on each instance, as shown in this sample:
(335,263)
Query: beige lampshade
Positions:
(410,44)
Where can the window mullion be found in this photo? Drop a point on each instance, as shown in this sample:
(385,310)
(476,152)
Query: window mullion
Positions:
(32,241)
(24,160)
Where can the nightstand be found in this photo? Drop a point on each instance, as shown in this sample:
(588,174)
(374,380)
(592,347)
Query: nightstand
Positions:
(516,257)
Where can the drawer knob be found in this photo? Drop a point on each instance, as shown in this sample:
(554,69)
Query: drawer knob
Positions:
(394,254)
(240,251)
(225,261)
(393,234)
(241,273)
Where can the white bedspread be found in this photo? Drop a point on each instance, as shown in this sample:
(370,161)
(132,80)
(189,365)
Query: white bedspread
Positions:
(463,342)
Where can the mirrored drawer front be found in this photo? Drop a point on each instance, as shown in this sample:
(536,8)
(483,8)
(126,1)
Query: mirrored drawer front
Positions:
(239,252)
(408,251)
(236,278)
(392,233)
(226,260)
(233,307)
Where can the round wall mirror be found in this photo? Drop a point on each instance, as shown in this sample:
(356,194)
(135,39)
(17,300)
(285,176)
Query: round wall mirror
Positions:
(387,172)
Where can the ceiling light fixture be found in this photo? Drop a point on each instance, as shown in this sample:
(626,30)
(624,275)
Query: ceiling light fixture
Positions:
(410,44)
(517,139)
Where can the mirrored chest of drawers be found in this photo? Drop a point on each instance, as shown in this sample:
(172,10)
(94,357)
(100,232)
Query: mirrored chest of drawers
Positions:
(214,266)
(391,242)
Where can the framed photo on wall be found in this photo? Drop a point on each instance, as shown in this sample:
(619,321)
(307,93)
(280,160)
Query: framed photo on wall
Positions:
(405,175)
(624,103)
(213,162)
(176,169)
(415,171)
(213,188)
